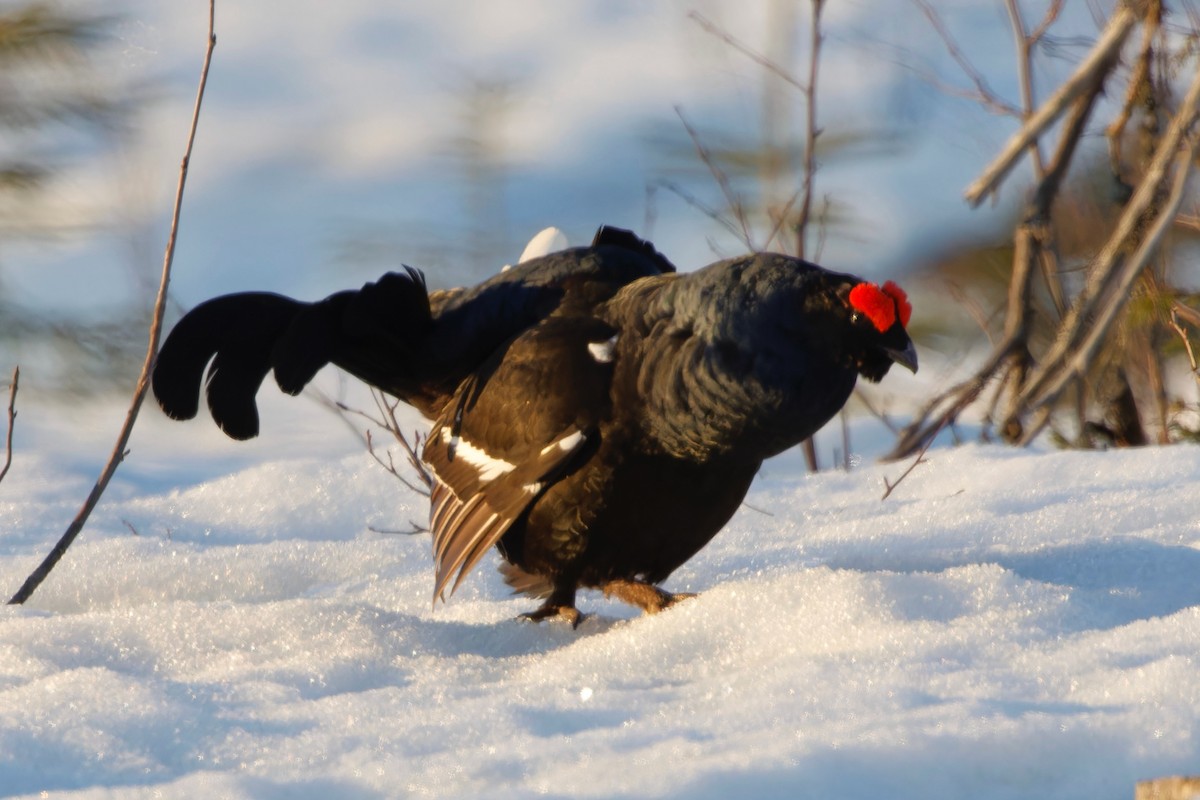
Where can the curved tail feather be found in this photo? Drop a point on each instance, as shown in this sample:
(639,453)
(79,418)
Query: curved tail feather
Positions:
(242,337)
(236,333)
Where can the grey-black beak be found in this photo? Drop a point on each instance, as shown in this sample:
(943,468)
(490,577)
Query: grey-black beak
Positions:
(906,358)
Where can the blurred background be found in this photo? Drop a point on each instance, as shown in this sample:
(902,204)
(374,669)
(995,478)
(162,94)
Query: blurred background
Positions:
(338,141)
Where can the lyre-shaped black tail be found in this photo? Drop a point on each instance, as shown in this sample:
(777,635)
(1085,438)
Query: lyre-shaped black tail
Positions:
(370,332)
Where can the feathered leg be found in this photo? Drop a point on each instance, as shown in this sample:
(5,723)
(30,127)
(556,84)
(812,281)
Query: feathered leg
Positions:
(648,597)
(561,604)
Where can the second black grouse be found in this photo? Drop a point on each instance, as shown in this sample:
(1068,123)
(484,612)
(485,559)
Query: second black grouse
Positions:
(597,416)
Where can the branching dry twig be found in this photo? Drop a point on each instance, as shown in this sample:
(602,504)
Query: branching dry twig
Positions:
(1134,90)
(1181,311)
(746,50)
(731,197)
(1090,72)
(12,420)
(119,452)
(1068,366)
(1115,271)
(983,93)
(811,131)
(386,419)
(888,486)
(698,204)
(413,531)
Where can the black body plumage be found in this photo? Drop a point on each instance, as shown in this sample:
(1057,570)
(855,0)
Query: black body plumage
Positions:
(598,416)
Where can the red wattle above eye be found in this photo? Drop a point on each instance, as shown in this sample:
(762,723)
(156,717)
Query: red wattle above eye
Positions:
(878,307)
(901,299)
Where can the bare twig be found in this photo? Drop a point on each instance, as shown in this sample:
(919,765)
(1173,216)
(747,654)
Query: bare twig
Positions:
(1012,350)
(731,197)
(1134,91)
(412,451)
(119,452)
(1183,336)
(1067,367)
(386,419)
(390,465)
(888,486)
(874,411)
(746,50)
(1113,273)
(983,92)
(1025,44)
(12,419)
(811,131)
(700,205)
(990,102)
(1092,71)
(1052,12)
(413,531)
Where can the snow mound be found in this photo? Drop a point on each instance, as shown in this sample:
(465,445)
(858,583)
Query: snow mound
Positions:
(1007,624)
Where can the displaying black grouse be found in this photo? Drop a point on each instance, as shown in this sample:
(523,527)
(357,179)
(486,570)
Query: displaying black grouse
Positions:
(597,416)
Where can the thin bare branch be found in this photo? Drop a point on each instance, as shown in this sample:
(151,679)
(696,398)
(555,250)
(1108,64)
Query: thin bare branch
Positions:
(1087,75)
(1112,274)
(1135,88)
(873,410)
(1183,336)
(920,459)
(1051,16)
(119,451)
(412,451)
(758,58)
(12,419)
(945,406)
(731,197)
(1011,354)
(1069,368)
(973,308)
(982,90)
(1024,43)
(390,466)
(811,131)
(701,206)
(993,104)
(413,531)
(1188,315)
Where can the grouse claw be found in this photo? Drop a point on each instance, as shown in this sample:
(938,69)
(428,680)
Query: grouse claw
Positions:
(569,614)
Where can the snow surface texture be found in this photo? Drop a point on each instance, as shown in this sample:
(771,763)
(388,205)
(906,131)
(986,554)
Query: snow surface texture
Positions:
(1008,624)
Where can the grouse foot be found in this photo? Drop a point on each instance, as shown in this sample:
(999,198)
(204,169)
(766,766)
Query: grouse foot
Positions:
(560,604)
(569,614)
(648,597)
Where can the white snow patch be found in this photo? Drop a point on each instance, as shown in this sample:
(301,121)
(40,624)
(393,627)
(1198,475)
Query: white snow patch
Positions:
(1008,623)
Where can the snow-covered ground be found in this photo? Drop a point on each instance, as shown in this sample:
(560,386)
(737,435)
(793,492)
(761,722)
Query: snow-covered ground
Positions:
(1008,624)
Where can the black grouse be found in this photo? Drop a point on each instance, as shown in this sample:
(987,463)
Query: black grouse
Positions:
(597,416)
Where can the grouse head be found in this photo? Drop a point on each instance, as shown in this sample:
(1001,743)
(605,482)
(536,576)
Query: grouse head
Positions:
(877,318)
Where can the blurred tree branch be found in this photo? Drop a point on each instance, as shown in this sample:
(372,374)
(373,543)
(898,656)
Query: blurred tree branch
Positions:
(1092,71)
(1083,347)
(12,421)
(783,216)
(119,452)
